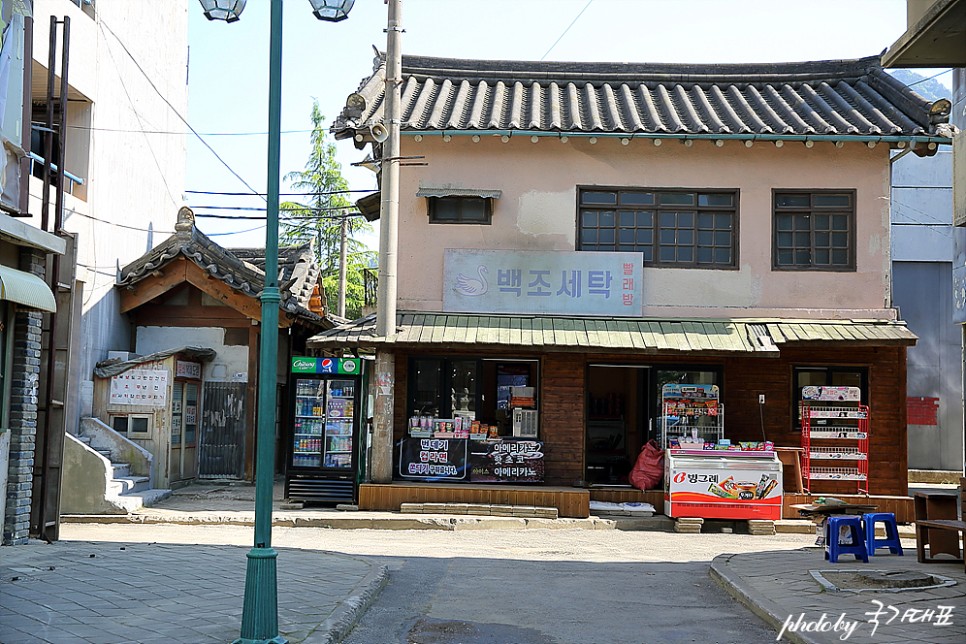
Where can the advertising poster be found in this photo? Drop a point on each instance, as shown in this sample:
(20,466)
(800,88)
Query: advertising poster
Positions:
(433,459)
(506,462)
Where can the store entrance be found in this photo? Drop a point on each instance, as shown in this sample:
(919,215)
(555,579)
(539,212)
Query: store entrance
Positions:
(617,421)
(624,412)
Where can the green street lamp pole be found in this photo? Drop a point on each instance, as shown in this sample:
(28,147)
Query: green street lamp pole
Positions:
(260,610)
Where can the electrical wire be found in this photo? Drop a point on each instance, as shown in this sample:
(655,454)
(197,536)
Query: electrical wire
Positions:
(123,130)
(137,115)
(281,194)
(173,108)
(589,2)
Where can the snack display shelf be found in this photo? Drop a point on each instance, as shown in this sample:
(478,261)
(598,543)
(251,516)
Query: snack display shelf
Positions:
(836,474)
(837,453)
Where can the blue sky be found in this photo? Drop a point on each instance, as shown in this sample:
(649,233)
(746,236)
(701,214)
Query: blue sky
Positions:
(228,71)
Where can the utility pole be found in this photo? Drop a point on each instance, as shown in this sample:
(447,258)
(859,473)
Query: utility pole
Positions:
(343,243)
(388,239)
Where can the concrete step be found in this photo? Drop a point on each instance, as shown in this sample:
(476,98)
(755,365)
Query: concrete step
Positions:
(84,439)
(145,498)
(129,484)
(105,453)
(121,470)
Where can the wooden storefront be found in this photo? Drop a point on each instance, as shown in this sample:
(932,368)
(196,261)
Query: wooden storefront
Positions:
(563,414)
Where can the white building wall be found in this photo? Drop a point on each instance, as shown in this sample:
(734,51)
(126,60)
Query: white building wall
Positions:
(128,80)
(230,363)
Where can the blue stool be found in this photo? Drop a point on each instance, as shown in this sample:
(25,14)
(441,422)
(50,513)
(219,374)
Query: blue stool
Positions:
(891,541)
(833,548)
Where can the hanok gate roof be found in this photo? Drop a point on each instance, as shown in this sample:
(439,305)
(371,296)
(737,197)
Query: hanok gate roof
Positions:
(241,269)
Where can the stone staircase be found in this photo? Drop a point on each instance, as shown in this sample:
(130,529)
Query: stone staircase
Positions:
(124,492)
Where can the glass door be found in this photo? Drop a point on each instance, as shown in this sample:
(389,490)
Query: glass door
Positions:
(339,424)
(309,422)
(184,429)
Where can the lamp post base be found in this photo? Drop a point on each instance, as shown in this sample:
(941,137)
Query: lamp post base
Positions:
(260,611)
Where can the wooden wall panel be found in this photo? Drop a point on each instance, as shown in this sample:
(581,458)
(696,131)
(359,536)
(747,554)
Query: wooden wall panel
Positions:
(570,502)
(562,396)
(902,506)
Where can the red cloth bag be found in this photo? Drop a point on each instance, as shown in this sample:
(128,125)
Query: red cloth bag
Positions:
(648,471)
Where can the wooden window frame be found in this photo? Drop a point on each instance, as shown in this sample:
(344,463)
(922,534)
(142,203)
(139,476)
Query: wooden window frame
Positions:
(861,370)
(655,229)
(460,201)
(810,213)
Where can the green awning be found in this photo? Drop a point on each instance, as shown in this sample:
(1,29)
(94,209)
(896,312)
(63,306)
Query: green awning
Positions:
(763,337)
(27,289)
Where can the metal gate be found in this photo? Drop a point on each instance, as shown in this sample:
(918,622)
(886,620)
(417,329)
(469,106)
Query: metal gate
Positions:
(221,449)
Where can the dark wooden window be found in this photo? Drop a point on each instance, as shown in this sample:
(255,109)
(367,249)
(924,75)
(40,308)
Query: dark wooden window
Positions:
(460,210)
(814,230)
(683,228)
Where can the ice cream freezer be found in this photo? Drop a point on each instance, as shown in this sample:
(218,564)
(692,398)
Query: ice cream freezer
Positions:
(723,484)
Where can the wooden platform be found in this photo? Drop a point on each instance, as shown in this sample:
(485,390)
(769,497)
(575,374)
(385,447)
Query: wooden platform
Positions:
(901,506)
(629,495)
(571,502)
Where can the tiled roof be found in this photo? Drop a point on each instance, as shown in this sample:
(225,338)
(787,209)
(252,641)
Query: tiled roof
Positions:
(627,335)
(844,98)
(242,269)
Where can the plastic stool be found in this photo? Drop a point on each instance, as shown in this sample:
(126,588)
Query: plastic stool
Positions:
(891,541)
(833,548)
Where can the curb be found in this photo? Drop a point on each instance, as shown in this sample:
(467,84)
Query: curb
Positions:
(743,594)
(447,523)
(338,626)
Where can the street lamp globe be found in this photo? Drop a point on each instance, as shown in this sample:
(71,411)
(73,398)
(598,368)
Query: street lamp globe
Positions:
(331,10)
(227,10)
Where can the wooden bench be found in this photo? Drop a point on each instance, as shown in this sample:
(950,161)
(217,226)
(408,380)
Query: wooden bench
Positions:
(938,525)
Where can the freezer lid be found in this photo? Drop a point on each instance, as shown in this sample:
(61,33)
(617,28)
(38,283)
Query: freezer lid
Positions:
(722,463)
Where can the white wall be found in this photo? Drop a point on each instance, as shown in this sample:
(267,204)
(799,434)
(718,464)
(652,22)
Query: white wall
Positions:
(229,361)
(133,180)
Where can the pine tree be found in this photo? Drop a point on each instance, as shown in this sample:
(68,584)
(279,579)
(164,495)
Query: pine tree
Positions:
(320,217)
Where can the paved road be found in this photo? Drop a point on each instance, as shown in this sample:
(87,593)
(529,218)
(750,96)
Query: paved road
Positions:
(522,586)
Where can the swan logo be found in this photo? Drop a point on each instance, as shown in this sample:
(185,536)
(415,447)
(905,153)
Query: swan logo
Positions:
(472,286)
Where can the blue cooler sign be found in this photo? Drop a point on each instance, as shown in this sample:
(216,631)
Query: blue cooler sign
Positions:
(341,366)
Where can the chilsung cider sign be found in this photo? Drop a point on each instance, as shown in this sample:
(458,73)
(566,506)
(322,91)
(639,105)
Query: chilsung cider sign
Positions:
(543,282)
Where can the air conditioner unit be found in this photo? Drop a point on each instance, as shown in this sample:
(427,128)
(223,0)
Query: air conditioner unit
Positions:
(525,423)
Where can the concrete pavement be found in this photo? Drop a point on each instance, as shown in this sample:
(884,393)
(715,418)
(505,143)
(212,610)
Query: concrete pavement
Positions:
(152,592)
(110,592)
(781,587)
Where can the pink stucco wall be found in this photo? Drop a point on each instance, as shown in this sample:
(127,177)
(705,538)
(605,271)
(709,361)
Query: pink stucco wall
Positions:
(538,211)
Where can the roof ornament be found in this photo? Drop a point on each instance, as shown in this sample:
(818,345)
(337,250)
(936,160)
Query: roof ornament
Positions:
(185,223)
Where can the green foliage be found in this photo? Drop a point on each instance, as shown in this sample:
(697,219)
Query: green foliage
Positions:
(319,218)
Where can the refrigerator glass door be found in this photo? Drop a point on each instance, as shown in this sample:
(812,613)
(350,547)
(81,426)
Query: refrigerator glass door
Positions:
(309,422)
(339,424)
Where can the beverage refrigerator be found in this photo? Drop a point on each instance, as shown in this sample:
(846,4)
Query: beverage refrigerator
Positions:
(324,439)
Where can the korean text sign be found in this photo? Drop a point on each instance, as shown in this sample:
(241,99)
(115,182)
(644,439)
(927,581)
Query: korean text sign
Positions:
(558,282)
(145,387)
(433,459)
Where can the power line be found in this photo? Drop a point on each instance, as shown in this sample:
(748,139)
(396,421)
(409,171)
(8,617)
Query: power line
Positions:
(127,131)
(283,194)
(589,2)
(281,211)
(173,108)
